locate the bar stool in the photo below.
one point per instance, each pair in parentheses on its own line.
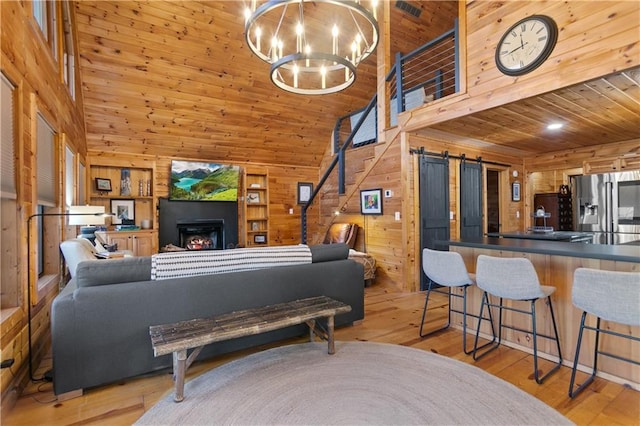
(609,295)
(447,269)
(514,278)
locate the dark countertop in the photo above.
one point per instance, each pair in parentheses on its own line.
(620,253)
(548,236)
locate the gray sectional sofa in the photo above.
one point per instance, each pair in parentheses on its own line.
(100,321)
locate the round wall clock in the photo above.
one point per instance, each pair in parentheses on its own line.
(526,45)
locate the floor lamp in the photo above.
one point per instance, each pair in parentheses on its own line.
(78,215)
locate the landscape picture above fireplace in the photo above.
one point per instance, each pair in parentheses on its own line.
(198,181)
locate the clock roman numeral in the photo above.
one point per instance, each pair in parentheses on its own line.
(542,38)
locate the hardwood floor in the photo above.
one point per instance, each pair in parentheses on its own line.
(391,317)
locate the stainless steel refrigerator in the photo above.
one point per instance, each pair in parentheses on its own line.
(608,205)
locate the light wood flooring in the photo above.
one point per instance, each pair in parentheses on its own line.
(390,317)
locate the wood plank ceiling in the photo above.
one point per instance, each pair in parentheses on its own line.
(174,78)
(604,110)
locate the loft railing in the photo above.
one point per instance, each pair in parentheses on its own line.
(428,73)
(424,75)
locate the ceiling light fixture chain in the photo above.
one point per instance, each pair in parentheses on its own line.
(315,48)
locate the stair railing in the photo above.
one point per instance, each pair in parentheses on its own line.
(431,71)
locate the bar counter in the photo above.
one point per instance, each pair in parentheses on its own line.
(555,263)
(621,253)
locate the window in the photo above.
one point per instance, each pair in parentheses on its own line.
(41,16)
(82,178)
(53,31)
(47,240)
(69,177)
(45,14)
(9,283)
(69,70)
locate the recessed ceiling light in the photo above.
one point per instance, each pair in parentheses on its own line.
(554,126)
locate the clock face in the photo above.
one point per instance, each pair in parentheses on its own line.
(526,45)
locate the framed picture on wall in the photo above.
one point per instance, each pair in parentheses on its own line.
(103,185)
(371,201)
(124,211)
(515,191)
(305,189)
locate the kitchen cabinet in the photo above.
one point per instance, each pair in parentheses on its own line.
(140,243)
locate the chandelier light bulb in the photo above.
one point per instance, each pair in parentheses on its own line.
(299,31)
(258,34)
(323,72)
(274,49)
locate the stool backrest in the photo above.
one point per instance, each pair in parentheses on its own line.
(610,295)
(445,268)
(508,277)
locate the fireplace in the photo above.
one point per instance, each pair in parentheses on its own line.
(201,234)
(215,216)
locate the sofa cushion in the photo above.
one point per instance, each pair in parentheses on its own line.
(113,271)
(194,263)
(329,252)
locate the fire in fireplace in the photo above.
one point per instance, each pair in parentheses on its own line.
(201,234)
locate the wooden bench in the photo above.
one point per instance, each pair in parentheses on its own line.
(179,337)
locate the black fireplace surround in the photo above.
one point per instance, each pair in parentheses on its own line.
(216,220)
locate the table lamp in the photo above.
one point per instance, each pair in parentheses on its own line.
(86,217)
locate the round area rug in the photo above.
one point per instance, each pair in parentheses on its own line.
(362,383)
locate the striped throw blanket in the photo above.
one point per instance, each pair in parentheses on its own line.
(165,266)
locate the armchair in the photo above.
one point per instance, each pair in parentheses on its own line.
(348,233)
(342,233)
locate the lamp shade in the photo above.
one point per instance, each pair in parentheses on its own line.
(86,215)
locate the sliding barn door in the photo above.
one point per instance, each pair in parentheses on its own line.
(470,199)
(434,205)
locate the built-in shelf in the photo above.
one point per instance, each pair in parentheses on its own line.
(256,207)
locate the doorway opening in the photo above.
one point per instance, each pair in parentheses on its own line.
(493,200)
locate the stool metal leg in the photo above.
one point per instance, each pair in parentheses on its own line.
(573,393)
(476,348)
(424,312)
(539,379)
(464,327)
